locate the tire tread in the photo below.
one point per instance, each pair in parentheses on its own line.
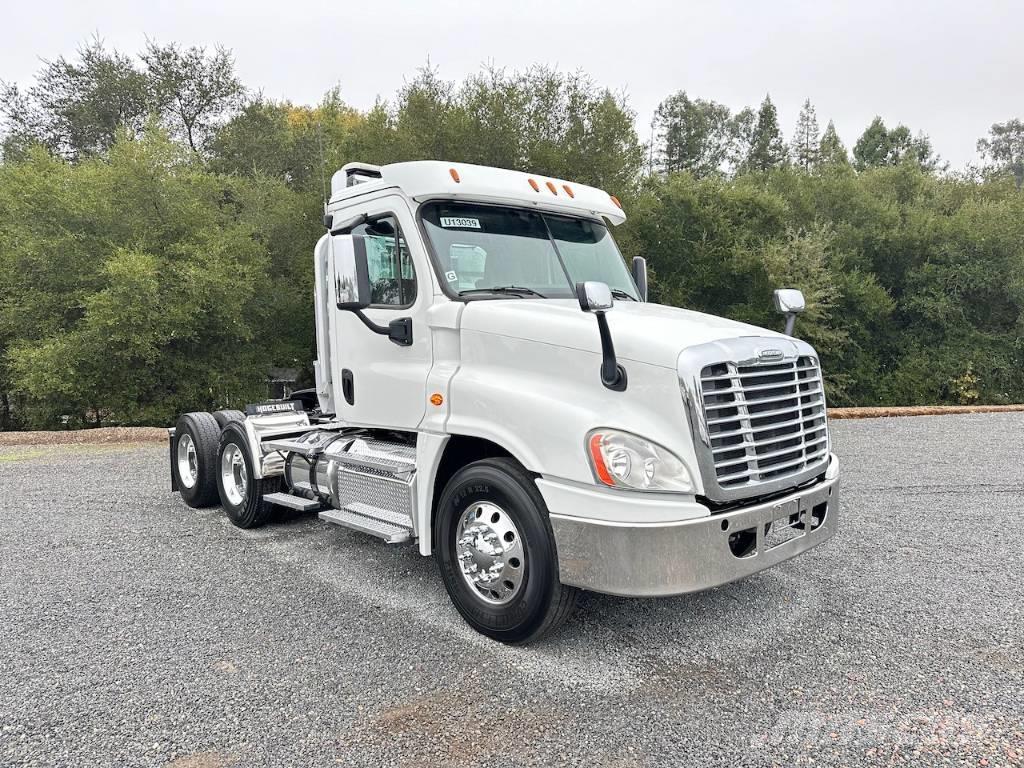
(206,434)
(255,511)
(563,598)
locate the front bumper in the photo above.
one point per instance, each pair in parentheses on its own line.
(675,557)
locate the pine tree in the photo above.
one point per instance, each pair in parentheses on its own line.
(874,147)
(767,146)
(831,150)
(694,135)
(878,146)
(805,148)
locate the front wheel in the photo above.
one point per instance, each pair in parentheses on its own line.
(496,552)
(241,494)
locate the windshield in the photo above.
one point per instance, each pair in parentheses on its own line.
(483,247)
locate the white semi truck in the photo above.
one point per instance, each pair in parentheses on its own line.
(477,395)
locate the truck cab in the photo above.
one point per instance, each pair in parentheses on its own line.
(493,386)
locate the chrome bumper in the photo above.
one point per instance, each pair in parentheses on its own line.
(672,558)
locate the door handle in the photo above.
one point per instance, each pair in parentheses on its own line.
(348,386)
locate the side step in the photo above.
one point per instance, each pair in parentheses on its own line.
(392,527)
(292,502)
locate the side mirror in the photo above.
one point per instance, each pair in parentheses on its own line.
(640,276)
(596,298)
(352,287)
(351,273)
(789,302)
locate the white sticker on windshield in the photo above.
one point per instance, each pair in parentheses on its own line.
(452,277)
(460,222)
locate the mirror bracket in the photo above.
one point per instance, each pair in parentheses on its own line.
(398,331)
(596,298)
(613,375)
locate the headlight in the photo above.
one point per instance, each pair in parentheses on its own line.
(621,460)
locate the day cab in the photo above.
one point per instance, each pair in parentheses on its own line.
(493,385)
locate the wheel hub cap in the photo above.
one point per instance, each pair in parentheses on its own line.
(234,477)
(188,461)
(490,552)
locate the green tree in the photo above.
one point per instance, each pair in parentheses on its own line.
(805,148)
(1004,149)
(831,151)
(878,146)
(133,287)
(693,135)
(192,89)
(541,120)
(299,145)
(75,108)
(767,146)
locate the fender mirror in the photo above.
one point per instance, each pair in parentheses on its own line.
(351,273)
(790,303)
(596,298)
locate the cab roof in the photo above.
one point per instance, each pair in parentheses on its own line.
(432,179)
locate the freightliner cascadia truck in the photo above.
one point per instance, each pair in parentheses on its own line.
(493,387)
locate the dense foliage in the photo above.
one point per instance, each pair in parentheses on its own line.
(157,224)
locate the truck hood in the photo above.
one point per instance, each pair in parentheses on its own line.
(646,333)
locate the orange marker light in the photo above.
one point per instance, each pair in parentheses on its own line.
(615,200)
(455,175)
(535,185)
(436,399)
(553,188)
(568,190)
(598,458)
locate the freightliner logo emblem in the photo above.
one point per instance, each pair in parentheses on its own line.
(768,355)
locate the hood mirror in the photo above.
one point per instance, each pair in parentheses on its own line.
(596,298)
(790,303)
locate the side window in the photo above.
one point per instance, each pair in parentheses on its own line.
(392,277)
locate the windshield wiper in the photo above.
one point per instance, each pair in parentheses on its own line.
(618,293)
(512,290)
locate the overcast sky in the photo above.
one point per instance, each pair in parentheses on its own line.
(950,69)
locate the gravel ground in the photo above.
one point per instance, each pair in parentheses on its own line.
(137,632)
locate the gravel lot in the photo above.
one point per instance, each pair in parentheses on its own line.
(137,632)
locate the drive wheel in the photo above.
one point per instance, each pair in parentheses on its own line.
(225,416)
(194,454)
(496,552)
(241,494)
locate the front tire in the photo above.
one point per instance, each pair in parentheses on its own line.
(241,494)
(496,552)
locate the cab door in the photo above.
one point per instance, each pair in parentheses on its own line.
(377,382)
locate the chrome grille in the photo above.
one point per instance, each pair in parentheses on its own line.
(765,421)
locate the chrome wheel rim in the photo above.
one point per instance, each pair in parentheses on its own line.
(233,475)
(490,552)
(188,461)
